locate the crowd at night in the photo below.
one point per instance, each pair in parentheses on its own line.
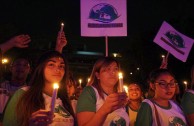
(41,42)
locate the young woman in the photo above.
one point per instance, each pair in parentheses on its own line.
(99,103)
(160,110)
(135,98)
(187,102)
(31,105)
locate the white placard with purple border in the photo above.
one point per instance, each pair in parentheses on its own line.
(173,41)
(103,18)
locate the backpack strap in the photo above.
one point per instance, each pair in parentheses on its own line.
(156,113)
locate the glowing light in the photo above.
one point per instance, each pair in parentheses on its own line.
(115,54)
(185,83)
(88,79)
(120,82)
(5,61)
(62,26)
(80,82)
(126,89)
(55,86)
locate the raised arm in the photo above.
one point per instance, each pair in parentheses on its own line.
(164,63)
(20,41)
(60,42)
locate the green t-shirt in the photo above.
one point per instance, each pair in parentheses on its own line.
(87,100)
(187,102)
(144,116)
(10,116)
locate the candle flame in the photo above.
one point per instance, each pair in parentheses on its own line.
(55,86)
(4,61)
(88,79)
(62,24)
(126,88)
(80,81)
(120,75)
(163,56)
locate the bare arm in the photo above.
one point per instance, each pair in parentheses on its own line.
(164,63)
(20,41)
(60,42)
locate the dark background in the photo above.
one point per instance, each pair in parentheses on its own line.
(41,20)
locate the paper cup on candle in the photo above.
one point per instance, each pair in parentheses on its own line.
(54,96)
(120,82)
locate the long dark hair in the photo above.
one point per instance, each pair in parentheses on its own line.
(33,100)
(101,63)
(157,72)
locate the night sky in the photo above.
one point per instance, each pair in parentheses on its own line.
(41,20)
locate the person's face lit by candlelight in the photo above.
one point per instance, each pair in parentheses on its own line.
(108,75)
(135,92)
(54,70)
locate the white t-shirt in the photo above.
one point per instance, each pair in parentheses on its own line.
(90,100)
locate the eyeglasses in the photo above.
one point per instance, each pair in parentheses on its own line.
(164,84)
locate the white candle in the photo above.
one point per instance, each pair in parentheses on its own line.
(88,80)
(126,89)
(54,96)
(185,82)
(163,58)
(62,26)
(120,82)
(80,82)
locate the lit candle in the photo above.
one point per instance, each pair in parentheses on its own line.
(54,96)
(5,61)
(62,26)
(80,82)
(88,80)
(163,58)
(120,82)
(126,89)
(185,82)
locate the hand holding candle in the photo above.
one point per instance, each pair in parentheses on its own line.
(164,61)
(54,96)
(120,82)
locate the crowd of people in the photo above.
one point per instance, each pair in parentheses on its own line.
(28,102)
